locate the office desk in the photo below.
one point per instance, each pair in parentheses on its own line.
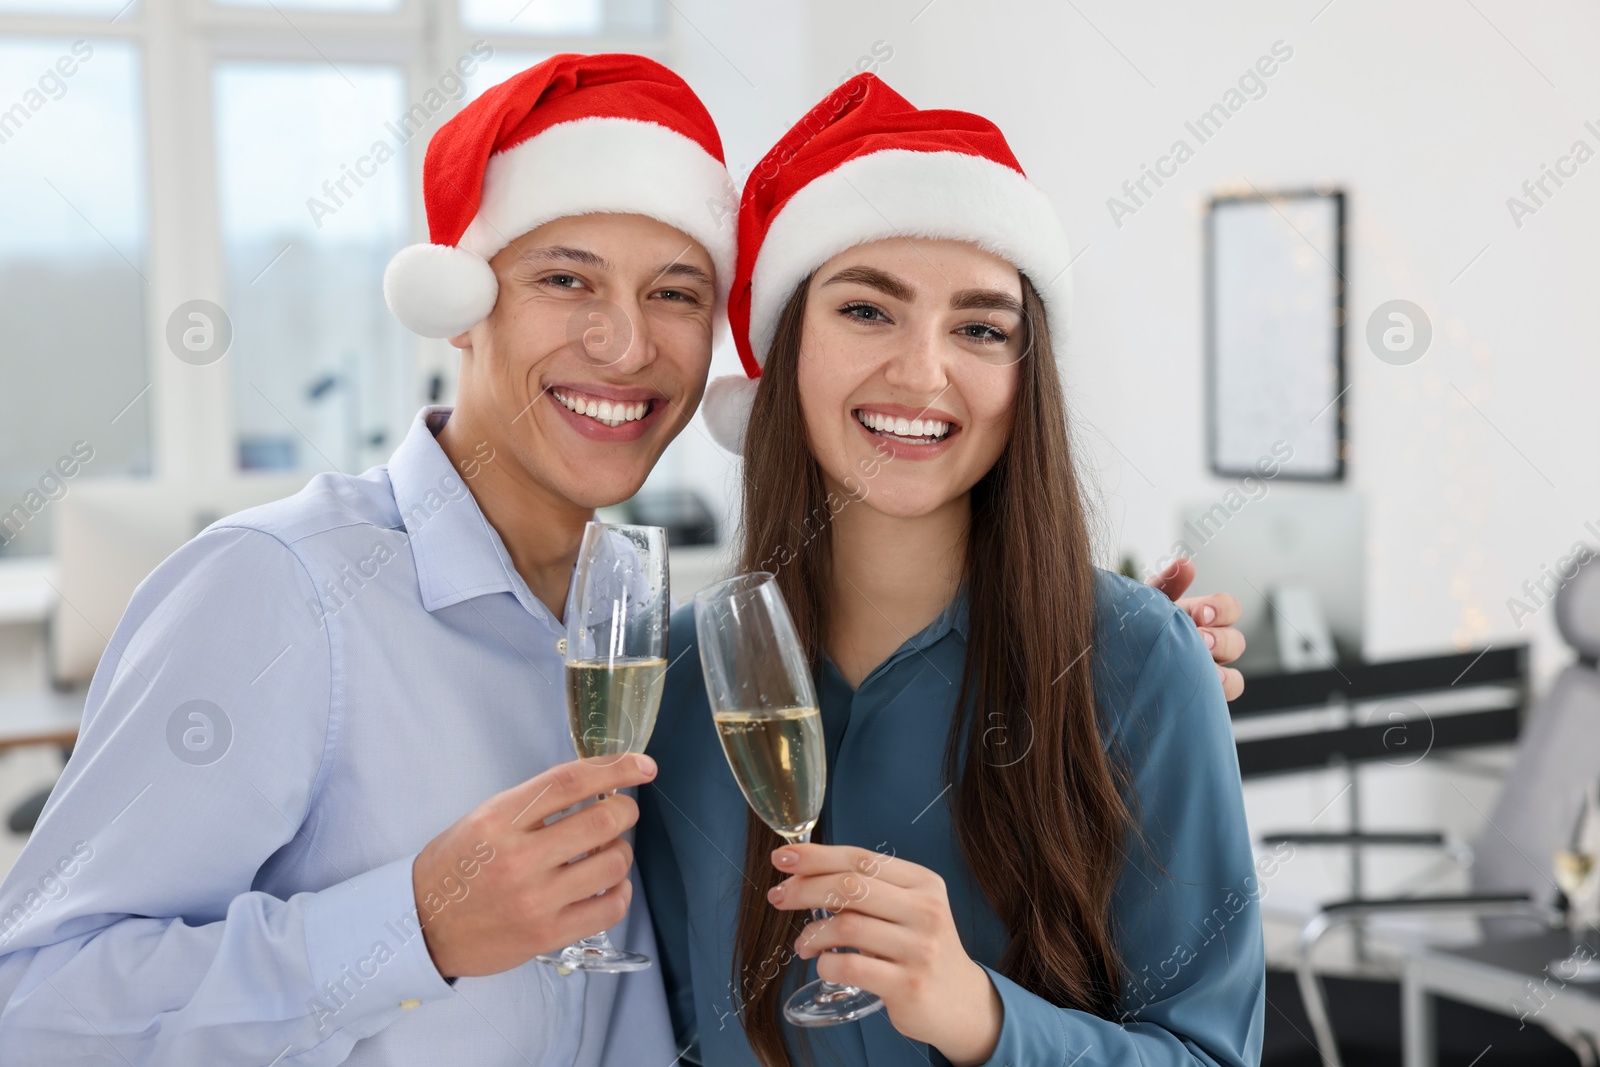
(1512,977)
(44,717)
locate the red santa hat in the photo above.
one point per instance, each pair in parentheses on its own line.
(865,165)
(574,135)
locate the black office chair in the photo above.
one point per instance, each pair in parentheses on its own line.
(25,816)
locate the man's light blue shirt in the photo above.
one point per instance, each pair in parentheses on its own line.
(294,703)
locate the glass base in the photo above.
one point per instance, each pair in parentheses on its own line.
(1572,969)
(825,1004)
(602,959)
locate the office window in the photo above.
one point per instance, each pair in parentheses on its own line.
(555,17)
(313,179)
(562,18)
(500,66)
(73,274)
(263,212)
(316,5)
(106,8)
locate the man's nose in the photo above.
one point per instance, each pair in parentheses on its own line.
(612,335)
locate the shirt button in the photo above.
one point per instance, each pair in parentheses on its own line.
(409,1005)
(561,647)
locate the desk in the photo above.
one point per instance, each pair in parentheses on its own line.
(45,717)
(1500,976)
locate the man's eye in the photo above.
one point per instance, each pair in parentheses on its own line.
(678,295)
(565,281)
(863,313)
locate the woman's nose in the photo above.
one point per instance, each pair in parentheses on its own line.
(919,364)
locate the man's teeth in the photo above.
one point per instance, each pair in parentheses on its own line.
(921,430)
(611,413)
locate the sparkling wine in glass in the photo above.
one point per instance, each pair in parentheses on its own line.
(616,655)
(764,704)
(1577,871)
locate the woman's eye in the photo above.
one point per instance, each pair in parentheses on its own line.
(985,333)
(863,313)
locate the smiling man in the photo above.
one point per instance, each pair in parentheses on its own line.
(299,826)
(592,360)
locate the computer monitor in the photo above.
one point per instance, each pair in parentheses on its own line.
(110,534)
(1294,537)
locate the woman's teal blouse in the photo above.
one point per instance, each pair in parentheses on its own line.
(1185,911)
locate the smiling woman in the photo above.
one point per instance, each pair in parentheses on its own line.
(1032,791)
(969,519)
(880,320)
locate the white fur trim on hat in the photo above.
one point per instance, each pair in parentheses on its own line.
(901,193)
(439,290)
(611,165)
(587,166)
(726,408)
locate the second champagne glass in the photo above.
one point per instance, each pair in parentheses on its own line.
(759,685)
(616,652)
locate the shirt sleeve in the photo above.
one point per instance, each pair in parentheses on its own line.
(131,928)
(1186,910)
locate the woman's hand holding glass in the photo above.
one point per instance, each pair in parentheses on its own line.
(896,916)
(765,706)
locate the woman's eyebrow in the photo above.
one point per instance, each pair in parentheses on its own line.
(985,300)
(882,281)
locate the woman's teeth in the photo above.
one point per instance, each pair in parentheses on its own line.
(609,412)
(912,431)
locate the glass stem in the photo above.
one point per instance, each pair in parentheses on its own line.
(822,915)
(602,940)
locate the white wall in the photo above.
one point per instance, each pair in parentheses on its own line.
(750,63)
(1478,463)
(1429,118)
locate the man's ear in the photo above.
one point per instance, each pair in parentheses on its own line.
(462,340)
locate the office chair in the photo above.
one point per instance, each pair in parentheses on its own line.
(1557,756)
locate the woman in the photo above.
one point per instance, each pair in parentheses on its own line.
(1035,834)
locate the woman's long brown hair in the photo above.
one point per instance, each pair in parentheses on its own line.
(1038,804)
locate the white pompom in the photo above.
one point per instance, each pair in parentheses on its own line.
(439,290)
(727,410)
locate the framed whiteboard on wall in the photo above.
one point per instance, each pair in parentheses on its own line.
(1275,376)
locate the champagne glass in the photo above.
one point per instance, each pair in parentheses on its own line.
(765,707)
(1577,871)
(616,651)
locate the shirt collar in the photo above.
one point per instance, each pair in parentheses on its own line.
(458,554)
(953,617)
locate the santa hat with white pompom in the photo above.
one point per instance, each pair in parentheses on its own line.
(574,135)
(862,166)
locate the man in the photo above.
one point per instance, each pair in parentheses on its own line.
(272,843)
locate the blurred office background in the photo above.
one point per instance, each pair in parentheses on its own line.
(255,163)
